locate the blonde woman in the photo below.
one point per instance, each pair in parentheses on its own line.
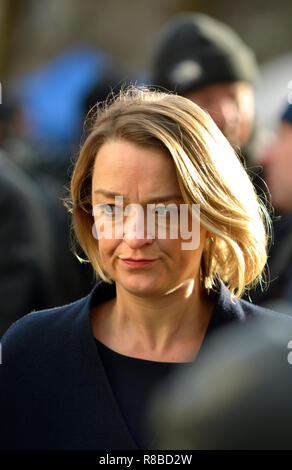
(153,166)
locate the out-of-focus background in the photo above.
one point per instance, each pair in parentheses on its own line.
(33,33)
(57,58)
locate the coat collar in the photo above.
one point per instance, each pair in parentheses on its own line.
(225,310)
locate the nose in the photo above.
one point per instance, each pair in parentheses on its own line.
(230,113)
(226,114)
(135,231)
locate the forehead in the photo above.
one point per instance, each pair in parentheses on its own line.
(122,165)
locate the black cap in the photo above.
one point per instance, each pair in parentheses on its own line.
(195,50)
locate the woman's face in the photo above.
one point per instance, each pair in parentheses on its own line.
(141,265)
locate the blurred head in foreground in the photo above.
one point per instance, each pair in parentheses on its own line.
(236,396)
(206,61)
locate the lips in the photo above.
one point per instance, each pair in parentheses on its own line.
(137,263)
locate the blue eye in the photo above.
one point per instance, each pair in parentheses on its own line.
(110,209)
(162,210)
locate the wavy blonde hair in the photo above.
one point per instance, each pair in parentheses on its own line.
(209,173)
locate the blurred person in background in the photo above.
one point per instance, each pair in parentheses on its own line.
(26,248)
(204,60)
(276,159)
(37,260)
(15,140)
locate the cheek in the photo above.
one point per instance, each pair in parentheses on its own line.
(182,258)
(188,263)
(287,157)
(106,249)
(217,116)
(191,258)
(281,160)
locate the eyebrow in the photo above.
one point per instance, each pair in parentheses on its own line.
(168,197)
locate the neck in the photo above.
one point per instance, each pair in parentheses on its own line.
(158,326)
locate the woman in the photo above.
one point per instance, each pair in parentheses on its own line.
(79,376)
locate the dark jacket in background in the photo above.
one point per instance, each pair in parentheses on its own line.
(26,249)
(37,267)
(278,295)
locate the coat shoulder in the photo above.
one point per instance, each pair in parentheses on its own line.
(252,310)
(39,328)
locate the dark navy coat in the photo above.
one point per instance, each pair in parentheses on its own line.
(54,392)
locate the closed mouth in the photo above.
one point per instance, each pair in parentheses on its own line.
(138,259)
(138,263)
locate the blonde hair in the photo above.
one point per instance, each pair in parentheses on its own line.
(209,174)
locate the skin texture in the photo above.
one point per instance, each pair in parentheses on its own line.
(277,162)
(161,311)
(231,106)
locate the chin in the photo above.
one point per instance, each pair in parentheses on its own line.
(142,287)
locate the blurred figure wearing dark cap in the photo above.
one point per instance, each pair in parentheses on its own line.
(276,159)
(235,396)
(206,61)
